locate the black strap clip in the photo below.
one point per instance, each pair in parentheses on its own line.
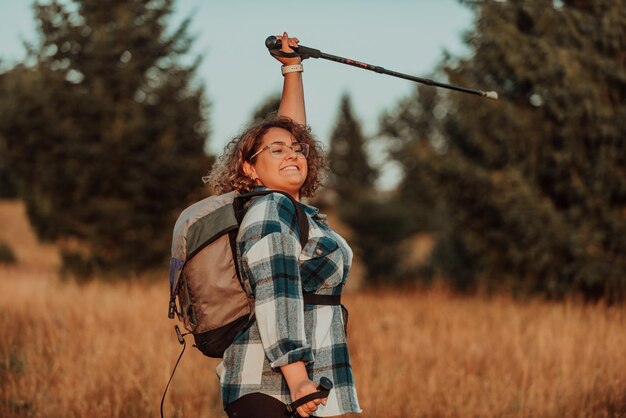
(179,335)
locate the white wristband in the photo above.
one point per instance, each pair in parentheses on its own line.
(291,68)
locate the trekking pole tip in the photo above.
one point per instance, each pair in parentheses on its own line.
(491,95)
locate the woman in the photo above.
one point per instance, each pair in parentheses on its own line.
(290,345)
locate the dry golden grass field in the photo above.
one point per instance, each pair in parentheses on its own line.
(107,349)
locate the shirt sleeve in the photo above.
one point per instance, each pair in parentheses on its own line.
(270,249)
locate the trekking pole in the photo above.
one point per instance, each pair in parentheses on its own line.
(274,45)
(322,392)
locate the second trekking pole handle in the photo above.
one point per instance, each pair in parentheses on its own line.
(322,392)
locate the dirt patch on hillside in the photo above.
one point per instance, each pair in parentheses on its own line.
(17,232)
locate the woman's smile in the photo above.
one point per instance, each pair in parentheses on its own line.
(290,167)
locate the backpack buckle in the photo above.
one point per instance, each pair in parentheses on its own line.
(171,310)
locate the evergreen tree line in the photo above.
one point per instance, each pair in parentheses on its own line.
(104,135)
(527,194)
(102,130)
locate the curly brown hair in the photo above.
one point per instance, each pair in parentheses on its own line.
(227,173)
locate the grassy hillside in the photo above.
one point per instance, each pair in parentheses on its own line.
(107,349)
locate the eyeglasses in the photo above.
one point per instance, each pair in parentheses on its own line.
(280,150)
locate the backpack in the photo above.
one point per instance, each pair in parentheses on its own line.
(204,274)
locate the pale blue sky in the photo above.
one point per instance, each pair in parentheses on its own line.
(400,35)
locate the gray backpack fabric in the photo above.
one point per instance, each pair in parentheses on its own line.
(204,276)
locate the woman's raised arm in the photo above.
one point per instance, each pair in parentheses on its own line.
(292,100)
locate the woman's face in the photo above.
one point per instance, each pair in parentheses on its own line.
(286,172)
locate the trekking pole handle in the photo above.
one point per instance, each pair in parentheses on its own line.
(274,43)
(323,389)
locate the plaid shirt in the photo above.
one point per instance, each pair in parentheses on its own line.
(275,269)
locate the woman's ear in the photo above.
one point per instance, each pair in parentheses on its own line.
(249,170)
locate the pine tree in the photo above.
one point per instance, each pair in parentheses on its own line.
(105,130)
(378,227)
(530,190)
(352,173)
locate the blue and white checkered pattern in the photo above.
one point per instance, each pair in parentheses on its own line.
(275,269)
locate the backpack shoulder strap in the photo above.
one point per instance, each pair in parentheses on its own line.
(303,224)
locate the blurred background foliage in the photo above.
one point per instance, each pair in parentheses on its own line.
(103,131)
(527,194)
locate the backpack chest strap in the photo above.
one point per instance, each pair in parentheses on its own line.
(313,299)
